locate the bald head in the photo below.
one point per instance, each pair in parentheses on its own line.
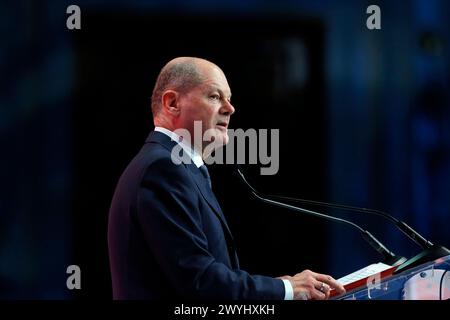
(180,74)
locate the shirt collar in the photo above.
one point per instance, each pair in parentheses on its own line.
(193,154)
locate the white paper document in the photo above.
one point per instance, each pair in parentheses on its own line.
(364,273)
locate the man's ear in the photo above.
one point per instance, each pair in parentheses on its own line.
(170,102)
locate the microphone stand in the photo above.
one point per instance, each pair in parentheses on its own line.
(430,251)
(389,257)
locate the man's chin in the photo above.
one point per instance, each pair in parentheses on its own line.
(222,139)
(218,140)
(226,140)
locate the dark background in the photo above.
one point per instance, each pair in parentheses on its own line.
(363,118)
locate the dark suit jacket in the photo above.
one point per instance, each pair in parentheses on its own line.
(168,237)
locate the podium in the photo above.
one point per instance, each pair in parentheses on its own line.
(429,281)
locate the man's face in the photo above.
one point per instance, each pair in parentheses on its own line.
(209,103)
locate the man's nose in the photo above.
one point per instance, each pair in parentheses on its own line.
(227,108)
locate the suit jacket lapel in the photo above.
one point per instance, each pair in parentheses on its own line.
(208,195)
(206,192)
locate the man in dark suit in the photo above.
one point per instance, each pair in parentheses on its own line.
(168,237)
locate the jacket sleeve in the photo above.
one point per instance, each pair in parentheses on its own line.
(169,216)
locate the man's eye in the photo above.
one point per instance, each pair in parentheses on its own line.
(215,97)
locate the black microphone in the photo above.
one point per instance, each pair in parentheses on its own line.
(430,251)
(389,257)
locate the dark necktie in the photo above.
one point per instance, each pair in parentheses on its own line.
(205,174)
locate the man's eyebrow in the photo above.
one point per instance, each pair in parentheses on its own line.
(223,93)
(214,87)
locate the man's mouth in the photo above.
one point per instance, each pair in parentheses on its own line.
(222,124)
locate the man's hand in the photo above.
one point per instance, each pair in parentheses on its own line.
(309,285)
